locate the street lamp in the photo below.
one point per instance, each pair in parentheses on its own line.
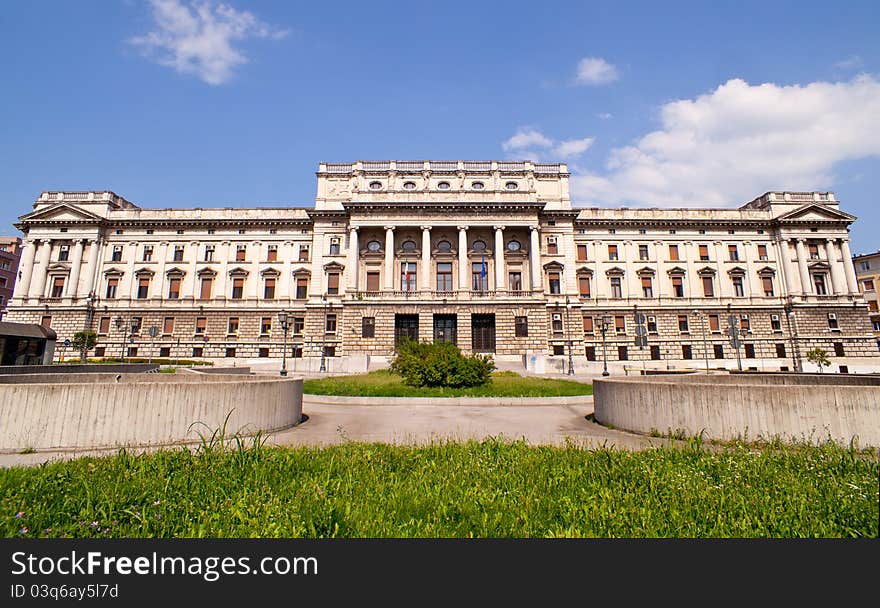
(568,334)
(603,327)
(792,330)
(324,334)
(282,318)
(124,327)
(702,316)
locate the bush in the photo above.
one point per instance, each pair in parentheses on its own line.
(440,364)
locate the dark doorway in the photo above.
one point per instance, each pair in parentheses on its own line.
(406,326)
(483,333)
(445,328)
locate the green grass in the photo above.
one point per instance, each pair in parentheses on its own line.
(487,489)
(383,383)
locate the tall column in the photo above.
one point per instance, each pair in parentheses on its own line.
(70,289)
(535,258)
(786,266)
(193,269)
(26,266)
(38,284)
(462,259)
(836,280)
(353,255)
(806,288)
(426,258)
(848,270)
(389,258)
(92,267)
(221,280)
(499,258)
(159,280)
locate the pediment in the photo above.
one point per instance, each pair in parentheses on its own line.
(113,271)
(676,270)
(62,213)
(207,272)
(706,270)
(645,271)
(301,270)
(616,271)
(819,266)
(334,266)
(553,265)
(737,270)
(766,270)
(816,213)
(175,272)
(269,272)
(58,267)
(238,271)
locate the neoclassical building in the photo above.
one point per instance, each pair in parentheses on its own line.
(488,254)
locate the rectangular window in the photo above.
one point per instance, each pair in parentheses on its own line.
(272,253)
(616,289)
(57,287)
(652,324)
(136,323)
(230,352)
(869,285)
(838,349)
(678,287)
(303,253)
(329,351)
(719,350)
(104,326)
(738,289)
(237,289)
(209,253)
(198,351)
(686,351)
(673,253)
(521,327)
(173,289)
(269,289)
(643,252)
(148,253)
(368,327)
(588,325)
(622,353)
(553,278)
(232,325)
(132,351)
(780,350)
(704,253)
(46,322)
(872,305)
(444,277)
(647,287)
(112,284)
(408,276)
(745,324)
(206,285)
(302,288)
(63,253)
(265,326)
(330,325)
(479,277)
(832,321)
(775,323)
(768,286)
(590,352)
(298,325)
(620,325)
(612,252)
(584,286)
(655,352)
(556,323)
(819,283)
(333,283)
(683,325)
(373,281)
(178,253)
(733,253)
(143,288)
(296,351)
(117,253)
(708,287)
(551,245)
(582,253)
(168,326)
(514,281)
(241,253)
(165,351)
(334,246)
(263,352)
(750,350)
(762,252)
(201,325)
(814,252)
(714,324)
(558,349)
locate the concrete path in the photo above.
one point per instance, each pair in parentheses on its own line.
(330,424)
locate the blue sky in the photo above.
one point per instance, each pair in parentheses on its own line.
(175,104)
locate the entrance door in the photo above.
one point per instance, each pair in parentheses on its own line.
(406,326)
(445,328)
(483,333)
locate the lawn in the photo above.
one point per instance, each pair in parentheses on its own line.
(383,383)
(486,489)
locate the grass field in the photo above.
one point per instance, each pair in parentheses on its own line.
(383,383)
(488,489)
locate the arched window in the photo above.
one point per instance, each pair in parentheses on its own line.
(479,245)
(444,245)
(408,246)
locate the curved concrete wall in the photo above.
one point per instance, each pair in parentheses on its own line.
(77,411)
(730,407)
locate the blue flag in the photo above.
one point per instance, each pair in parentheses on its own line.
(483,272)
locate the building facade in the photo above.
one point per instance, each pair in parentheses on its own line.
(868,275)
(488,254)
(10,251)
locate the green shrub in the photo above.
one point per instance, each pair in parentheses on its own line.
(440,364)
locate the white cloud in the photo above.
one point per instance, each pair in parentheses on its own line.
(853,62)
(572,147)
(595,70)
(740,140)
(198,38)
(526,138)
(526,142)
(604,115)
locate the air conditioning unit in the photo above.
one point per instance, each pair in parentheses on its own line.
(557,317)
(774,317)
(832,316)
(551,240)
(652,319)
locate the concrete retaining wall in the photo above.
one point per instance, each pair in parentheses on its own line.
(74,368)
(748,406)
(82,411)
(471,401)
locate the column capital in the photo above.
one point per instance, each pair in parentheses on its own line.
(354,228)
(534,227)
(426,227)
(44,241)
(498,227)
(462,228)
(391,228)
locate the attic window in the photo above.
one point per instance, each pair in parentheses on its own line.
(409,185)
(375,185)
(180,232)
(443,186)
(119,232)
(62,229)
(150,231)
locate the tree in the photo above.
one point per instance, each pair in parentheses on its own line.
(84,341)
(819,356)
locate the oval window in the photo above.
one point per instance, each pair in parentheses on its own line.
(408,246)
(444,246)
(513,245)
(511,186)
(374,246)
(375,185)
(409,185)
(443,186)
(478,185)
(479,246)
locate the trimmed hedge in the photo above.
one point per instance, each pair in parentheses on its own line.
(440,364)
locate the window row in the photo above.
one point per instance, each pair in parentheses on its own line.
(206,288)
(133,325)
(733,252)
(208,253)
(677,283)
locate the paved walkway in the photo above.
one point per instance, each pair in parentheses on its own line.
(330,424)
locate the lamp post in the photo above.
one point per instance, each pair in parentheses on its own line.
(282,318)
(702,316)
(792,330)
(568,335)
(124,327)
(603,327)
(324,334)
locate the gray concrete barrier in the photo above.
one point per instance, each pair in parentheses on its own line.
(80,368)
(750,406)
(85,411)
(447,401)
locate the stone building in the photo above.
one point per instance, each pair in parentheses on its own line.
(489,254)
(10,250)
(868,275)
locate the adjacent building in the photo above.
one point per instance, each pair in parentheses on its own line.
(10,251)
(868,275)
(488,254)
